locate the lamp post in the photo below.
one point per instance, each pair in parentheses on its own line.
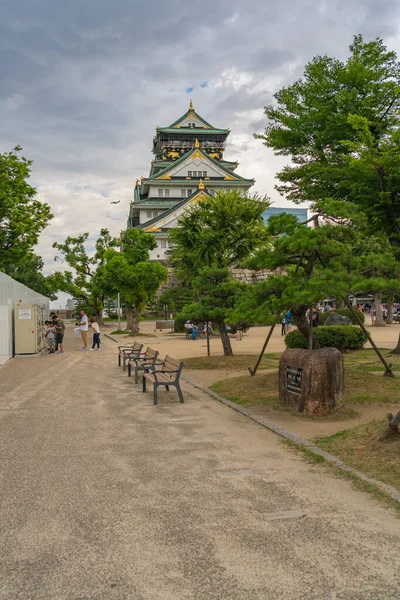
(119,311)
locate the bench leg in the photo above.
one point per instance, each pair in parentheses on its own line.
(155,393)
(178,389)
(167,388)
(144,383)
(129,369)
(124,363)
(119,360)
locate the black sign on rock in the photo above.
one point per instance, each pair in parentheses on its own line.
(293,380)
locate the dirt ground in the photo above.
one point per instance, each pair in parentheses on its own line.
(252,343)
(104,496)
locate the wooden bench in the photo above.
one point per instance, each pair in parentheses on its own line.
(145,361)
(126,352)
(166,373)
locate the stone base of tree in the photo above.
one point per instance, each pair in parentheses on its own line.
(311,381)
(393,426)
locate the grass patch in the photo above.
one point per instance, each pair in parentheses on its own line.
(360,388)
(367,360)
(362,449)
(357,482)
(231,363)
(250,391)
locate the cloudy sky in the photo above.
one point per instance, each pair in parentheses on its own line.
(84,83)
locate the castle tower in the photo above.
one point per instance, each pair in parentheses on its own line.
(188,166)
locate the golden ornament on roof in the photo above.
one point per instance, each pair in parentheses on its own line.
(197,144)
(137,181)
(201,185)
(191,106)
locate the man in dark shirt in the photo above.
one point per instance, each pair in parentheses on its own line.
(60,327)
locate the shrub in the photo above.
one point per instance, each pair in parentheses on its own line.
(179,323)
(345,312)
(343,337)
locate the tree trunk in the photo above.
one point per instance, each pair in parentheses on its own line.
(339,303)
(129,317)
(393,426)
(226,342)
(135,320)
(99,316)
(390,309)
(379,322)
(303,325)
(397,349)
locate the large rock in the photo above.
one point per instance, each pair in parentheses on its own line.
(335,319)
(311,381)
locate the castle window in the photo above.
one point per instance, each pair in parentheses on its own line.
(166,193)
(204,173)
(183,193)
(155,213)
(189,173)
(148,214)
(163,243)
(160,193)
(189,192)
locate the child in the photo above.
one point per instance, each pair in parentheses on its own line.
(96,334)
(51,336)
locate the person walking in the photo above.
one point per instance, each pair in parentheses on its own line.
(84,325)
(288,321)
(60,329)
(96,334)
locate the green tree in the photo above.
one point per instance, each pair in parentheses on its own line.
(334,257)
(176,298)
(84,283)
(130,273)
(218,293)
(22,218)
(339,125)
(29,272)
(221,231)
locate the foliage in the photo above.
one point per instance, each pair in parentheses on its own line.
(220,231)
(343,337)
(84,283)
(29,272)
(345,312)
(334,257)
(22,218)
(175,298)
(180,320)
(340,127)
(218,293)
(130,273)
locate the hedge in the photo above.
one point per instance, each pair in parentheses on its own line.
(343,337)
(179,323)
(345,312)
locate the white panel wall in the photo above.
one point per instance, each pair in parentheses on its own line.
(10,292)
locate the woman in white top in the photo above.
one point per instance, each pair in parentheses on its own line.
(96,334)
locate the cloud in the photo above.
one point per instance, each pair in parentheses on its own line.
(83,87)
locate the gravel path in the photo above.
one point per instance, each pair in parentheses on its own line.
(103,497)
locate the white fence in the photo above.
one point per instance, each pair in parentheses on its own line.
(10,292)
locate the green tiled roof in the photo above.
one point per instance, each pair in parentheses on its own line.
(195,114)
(156,203)
(151,222)
(186,155)
(194,130)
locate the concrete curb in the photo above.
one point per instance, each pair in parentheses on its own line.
(296,439)
(107,335)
